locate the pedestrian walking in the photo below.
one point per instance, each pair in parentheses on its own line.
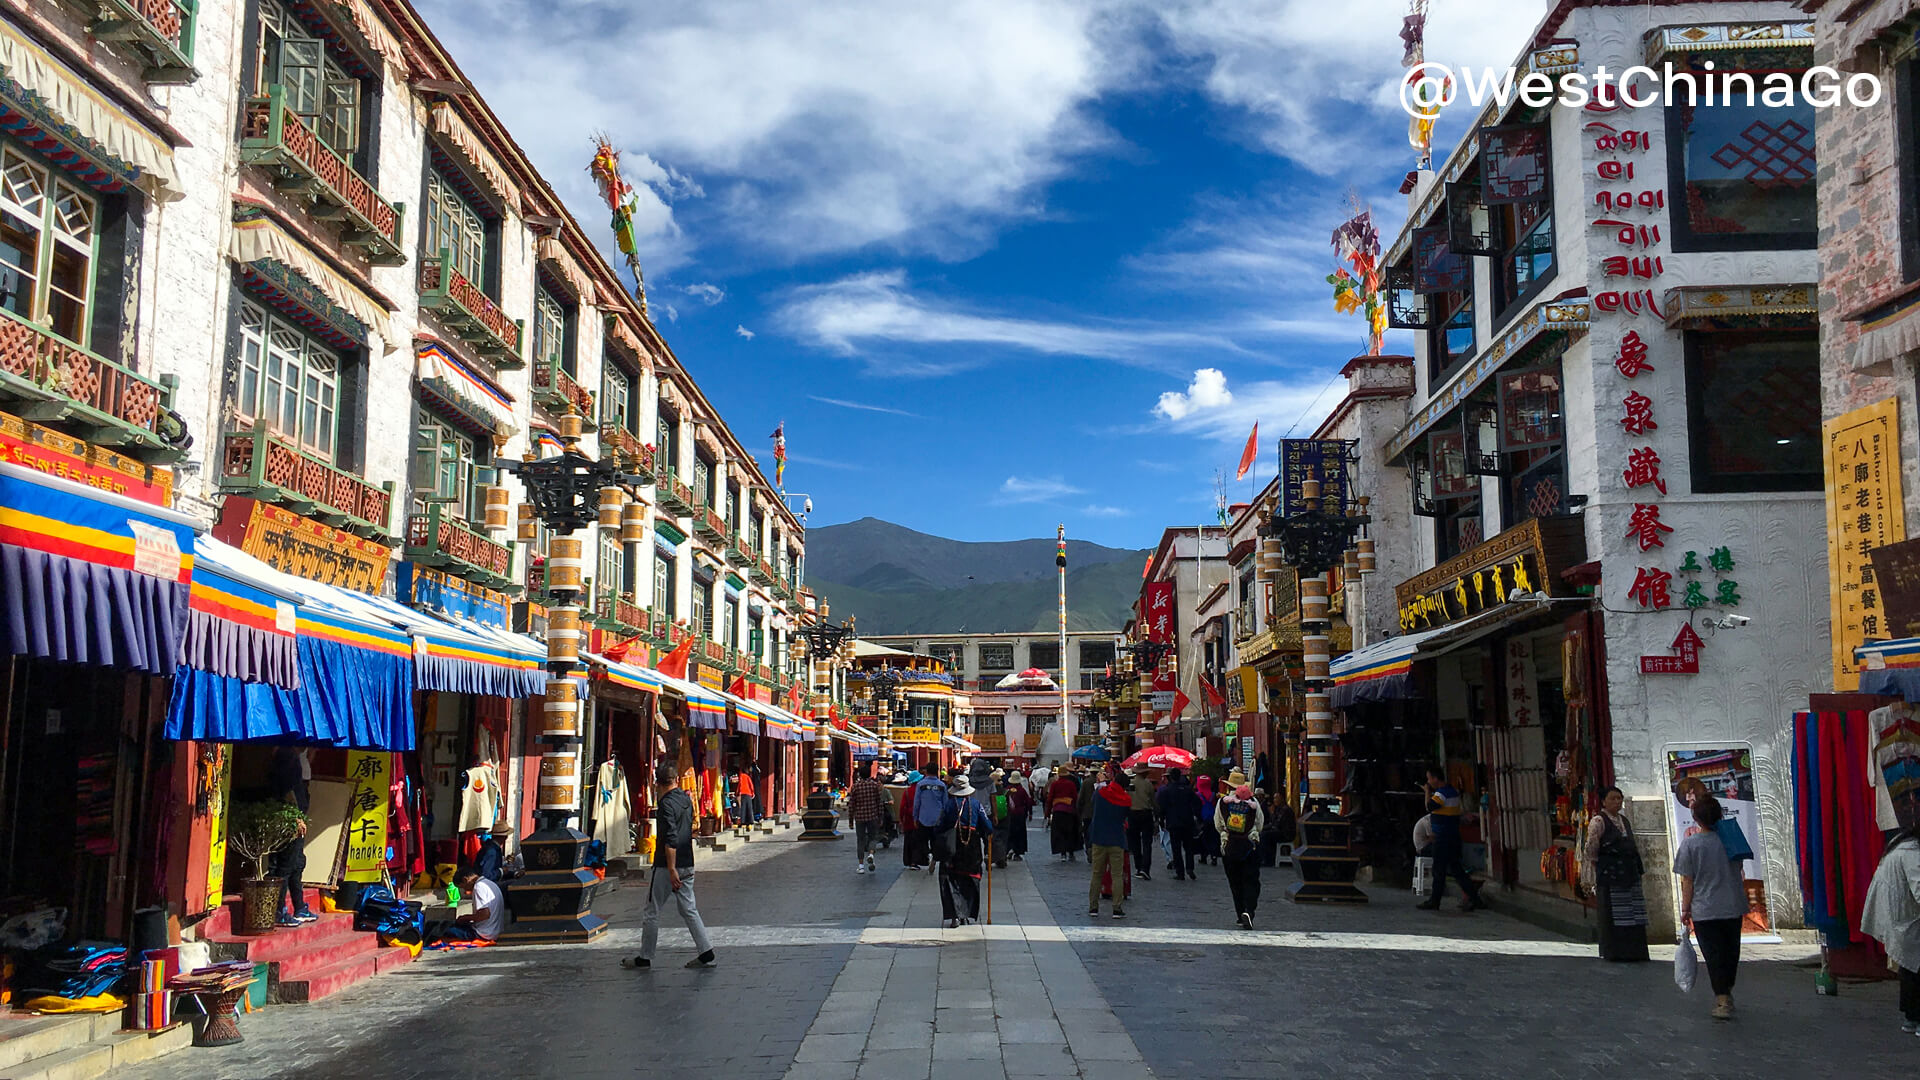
(1713,901)
(1610,864)
(1180,813)
(1444,804)
(1892,917)
(1021,808)
(864,810)
(1107,832)
(913,847)
(929,808)
(968,826)
(672,876)
(1208,844)
(1083,807)
(1141,826)
(1063,814)
(1238,818)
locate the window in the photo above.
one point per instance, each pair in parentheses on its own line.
(702,478)
(663,599)
(1044,655)
(756,528)
(925,713)
(1090,678)
(1526,254)
(1450,342)
(990,723)
(702,609)
(996,656)
(313,83)
(551,319)
(1534,483)
(1753,424)
(733,504)
(1456,494)
(1907,105)
(666,456)
(730,622)
(1743,173)
(1096,654)
(1089,722)
(953,656)
(619,396)
(47,230)
(456,227)
(444,459)
(289,380)
(608,575)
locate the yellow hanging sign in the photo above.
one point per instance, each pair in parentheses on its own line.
(367,814)
(1864,511)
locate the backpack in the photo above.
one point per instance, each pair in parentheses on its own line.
(929,804)
(1239,818)
(1002,807)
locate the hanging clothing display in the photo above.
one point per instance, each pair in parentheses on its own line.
(1893,765)
(1838,837)
(612,809)
(479,799)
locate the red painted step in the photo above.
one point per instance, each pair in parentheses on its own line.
(306,962)
(224,917)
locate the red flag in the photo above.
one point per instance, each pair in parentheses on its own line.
(739,687)
(1214,697)
(1246,456)
(617,652)
(674,664)
(1180,702)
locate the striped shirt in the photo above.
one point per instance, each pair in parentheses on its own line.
(1444,805)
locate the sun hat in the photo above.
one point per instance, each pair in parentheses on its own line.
(1236,778)
(960,786)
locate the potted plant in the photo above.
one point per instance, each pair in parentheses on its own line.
(255,831)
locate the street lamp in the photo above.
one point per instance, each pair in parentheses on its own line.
(552,901)
(1314,540)
(825,643)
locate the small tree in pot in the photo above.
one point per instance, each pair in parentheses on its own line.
(256,830)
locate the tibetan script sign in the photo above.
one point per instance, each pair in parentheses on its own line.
(920,736)
(44,450)
(303,547)
(1324,460)
(1896,569)
(1864,512)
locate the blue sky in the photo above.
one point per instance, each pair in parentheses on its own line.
(999,264)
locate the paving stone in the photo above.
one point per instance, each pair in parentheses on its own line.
(823,1047)
(950,1045)
(901,1035)
(895,1065)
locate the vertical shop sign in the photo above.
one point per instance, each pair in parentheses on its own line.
(1159,616)
(1523,687)
(1324,460)
(1864,511)
(367,814)
(220,786)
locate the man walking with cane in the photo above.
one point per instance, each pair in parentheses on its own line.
(672,872)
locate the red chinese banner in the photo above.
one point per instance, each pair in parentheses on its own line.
(1157,611)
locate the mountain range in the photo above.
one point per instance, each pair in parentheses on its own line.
(899,581)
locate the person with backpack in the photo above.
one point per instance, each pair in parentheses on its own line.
(929,808)
(1239,819)
(1180,813)
(967,826)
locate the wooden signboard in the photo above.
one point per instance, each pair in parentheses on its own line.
(1896,569)
(1528,558)
(1864,512)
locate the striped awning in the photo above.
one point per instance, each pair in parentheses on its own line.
(241,627)
(1383,671)
(38,91)
(1890,667)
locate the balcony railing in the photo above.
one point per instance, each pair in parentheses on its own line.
(273,135)
(161,31)
(73,388)
(557,390)
(623,617)
(714,653)
(761,573)
(634,454)
(469,312)
(266,467)
(437,538)
(674,494)
(738,553)
(708,524)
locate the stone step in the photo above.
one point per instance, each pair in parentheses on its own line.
(316,983)
(221,922)
(95,1058)
(25,1037)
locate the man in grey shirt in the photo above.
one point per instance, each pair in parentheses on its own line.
(672,871)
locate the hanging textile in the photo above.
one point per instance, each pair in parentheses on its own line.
(1838,838)
(612,809)
(479,799)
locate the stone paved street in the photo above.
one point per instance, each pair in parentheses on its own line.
(825,975)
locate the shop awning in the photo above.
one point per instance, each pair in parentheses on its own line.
(45,102)
(746,714)
(631,676)
(855,735)
(90,577)
(1383,671)
(959,744)
(706,708)
(792,726)
(1890,667)
(241,627)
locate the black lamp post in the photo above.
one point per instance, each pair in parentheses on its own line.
(1314,540)
(824,641)
(552,901)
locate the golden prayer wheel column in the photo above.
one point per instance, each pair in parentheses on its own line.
(824,643)
(551,901)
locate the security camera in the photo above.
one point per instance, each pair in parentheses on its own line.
(1737,620)
(807,507)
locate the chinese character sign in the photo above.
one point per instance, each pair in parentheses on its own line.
(1864,511)
(1157,614)
(367,814)
(1324,460)
(1523,687)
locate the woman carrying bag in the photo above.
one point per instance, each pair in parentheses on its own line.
(1611,867)
(1713,902)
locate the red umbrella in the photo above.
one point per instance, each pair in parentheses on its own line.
(1160,757)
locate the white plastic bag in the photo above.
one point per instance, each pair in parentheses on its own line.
(1686,965)
(1423,876)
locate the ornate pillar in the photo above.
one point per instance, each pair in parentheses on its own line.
(819,820)
(552,900)
(1326,860)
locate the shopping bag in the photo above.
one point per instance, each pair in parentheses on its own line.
(1686,965)
(1423,876)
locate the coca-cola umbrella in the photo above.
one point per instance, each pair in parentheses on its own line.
(1159,757)
(1031,679)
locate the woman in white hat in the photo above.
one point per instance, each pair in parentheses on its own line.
(968,825)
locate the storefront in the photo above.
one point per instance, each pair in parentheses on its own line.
(94,607)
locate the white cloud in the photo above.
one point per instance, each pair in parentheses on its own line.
(1096,510)
(879,308)
(673,313)
(706,292)
(1035,489)
(744,332)
(1208,390)
(862,406)
(820,127)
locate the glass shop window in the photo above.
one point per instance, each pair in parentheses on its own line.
(1742,175)
(1753,402)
